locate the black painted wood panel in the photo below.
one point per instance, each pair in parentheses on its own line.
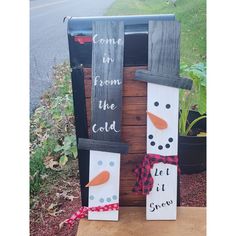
(107,80)
(81,128)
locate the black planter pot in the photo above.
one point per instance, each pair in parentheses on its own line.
(192,149)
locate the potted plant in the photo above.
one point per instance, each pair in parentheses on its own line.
(192,121)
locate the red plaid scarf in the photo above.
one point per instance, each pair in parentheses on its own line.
(83,212)
(144,180)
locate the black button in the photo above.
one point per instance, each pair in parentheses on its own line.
(150,136)
(167,106)
(153,143)
(156,104)
(170,140)
(160,147)
(167,145)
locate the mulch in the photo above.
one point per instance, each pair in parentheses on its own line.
(193,190)
(51,208)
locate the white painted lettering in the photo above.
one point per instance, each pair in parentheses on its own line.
(100,82)
(107,59)
(107,41)
(103,105)
(105,128)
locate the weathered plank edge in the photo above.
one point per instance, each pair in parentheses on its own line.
(100,145)
(79,100)
(163,79)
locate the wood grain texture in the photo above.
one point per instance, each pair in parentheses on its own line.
(133,130)
(106,72)
(191,221)
(133,111)
(100,145)
(163,45)
(164,79)
(131,88)
(135,137)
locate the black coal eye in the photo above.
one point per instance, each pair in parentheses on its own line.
(170,140)
(160,147)
(153,143)
(156,104)
(167,106)
(167,145)
(150,136)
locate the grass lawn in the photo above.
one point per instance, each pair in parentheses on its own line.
(190,13)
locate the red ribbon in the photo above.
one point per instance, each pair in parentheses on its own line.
(83,212)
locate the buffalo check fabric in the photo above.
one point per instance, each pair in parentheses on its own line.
(83,212)
(144,180)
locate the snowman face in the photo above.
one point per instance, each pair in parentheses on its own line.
(162,120)
(106,192)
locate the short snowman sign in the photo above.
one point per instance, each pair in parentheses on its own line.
(156,175)
(106,106)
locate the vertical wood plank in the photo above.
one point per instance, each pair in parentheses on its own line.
(81,126)
(163,47)
(106,105)
(163,103)
(107,78)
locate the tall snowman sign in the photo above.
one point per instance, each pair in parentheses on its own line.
(106,106)
(157,174)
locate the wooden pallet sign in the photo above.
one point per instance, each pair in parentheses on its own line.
(106,106)
(162,119)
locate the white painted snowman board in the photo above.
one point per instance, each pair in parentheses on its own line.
(162,103)
(108,192)
(162,115)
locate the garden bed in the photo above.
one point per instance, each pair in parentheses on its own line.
(52,207)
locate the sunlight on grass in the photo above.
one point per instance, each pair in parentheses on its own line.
(191,14)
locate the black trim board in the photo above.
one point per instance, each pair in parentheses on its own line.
(164,79)
(100,145)
(81,128)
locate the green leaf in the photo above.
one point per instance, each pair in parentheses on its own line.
(68,140)
(74,151)
(194,98)
(202,101)
(67,152)
(63,160)
(193,123)
(58,148)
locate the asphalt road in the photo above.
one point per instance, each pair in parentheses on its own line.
(48,38)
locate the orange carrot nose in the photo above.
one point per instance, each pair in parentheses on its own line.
(101,178)
(158,122)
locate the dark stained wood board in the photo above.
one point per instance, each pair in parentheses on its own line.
(133,130)
(132,114)
(131,88)
(101,145)
(103,71)
(134,137)
(164,79)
